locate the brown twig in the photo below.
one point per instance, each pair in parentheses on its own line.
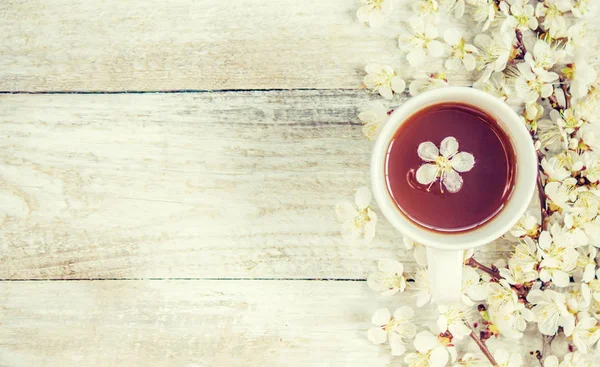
(493,272)
(520,45)
(547,343)
(554,103)
(484,349)
(543,201)
(565,89)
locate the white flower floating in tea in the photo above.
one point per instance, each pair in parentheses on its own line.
(447,162)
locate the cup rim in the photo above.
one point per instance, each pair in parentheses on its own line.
(525,180)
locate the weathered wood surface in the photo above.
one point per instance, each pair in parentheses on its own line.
(206,185)
(115,45)
(195,324)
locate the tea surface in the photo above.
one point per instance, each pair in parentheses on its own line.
(429,198)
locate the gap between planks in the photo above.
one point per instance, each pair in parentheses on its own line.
(187,279)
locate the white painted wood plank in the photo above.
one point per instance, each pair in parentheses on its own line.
(184,185)
(115,45)
(196,323)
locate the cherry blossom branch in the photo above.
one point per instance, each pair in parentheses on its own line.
(493,272)
(484,349)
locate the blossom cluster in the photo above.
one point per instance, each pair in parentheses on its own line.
(535,55)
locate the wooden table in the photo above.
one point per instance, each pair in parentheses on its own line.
(168,176)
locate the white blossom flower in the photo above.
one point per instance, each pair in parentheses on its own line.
(373,119)
(471,360)
(419,250)
(495,52)
(426,7)
(570,234)
(589,136)
(473,288)
(550,312)
(461,53)
(507,313)
(580,40)
(542,57)
(528,225)
(506,359)
(575,359)
(572,160)
(430,351)
(525,255)
(494,84)
(561,193)
(423,83)
(389,280)
(586,333)
(579,300)
(358,219)
(522,17)
(397,329)
(553,13)
(383,79)
(581,7)
(592,230)
(421,288)
(447,163)
(419,40)
(591,162)
(374,12)
(555,169)
(457,7)
(584,75)
(586,264)
(569,119)
(558,257)
(516,274)
(453,318)
(530,85)
(484,12)
(552,136)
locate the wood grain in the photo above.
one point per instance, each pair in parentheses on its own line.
(114,45)
(203,185)
(197,324)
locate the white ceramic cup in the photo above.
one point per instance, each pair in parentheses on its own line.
(445,251)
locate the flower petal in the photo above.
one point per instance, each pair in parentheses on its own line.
(427,151)
(390,266)
(397,345)
(435,48)
(377,335)
(398,84)
(560,278)
(362,197)
(463,162)
(449,146)
(404,312)
(439,357)
(416,57)
(425,341)
(452,180)
(381,317)
(452,37)
(427,174)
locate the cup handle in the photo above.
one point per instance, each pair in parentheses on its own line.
(445,274)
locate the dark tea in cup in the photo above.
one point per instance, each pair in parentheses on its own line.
(450,167)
